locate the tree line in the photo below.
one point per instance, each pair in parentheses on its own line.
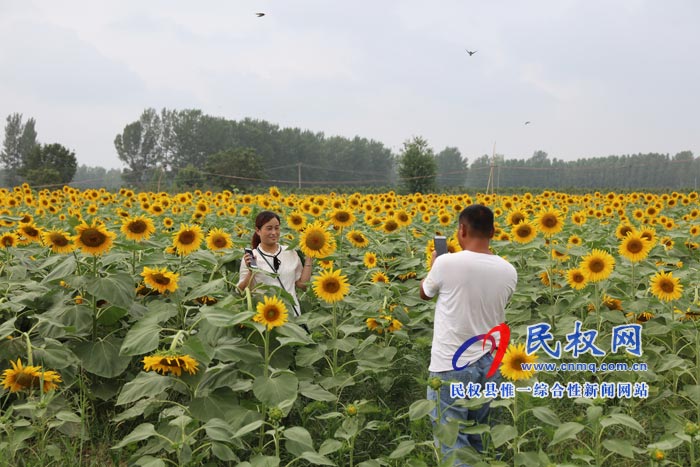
(24,159)
(187,149)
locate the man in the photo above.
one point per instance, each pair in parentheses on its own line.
(473,287)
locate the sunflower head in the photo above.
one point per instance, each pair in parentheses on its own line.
(357,238)
(331,286)
(523,232)
(316,242)
(188,239)
(59,241)
(271,312)
(550,222)
(513,360)
(138,228)
(342,218)
(21,377)
(170,362)
(379,276)
(634,247)
(218,239)
(93,239)
(576,278)
(597,265)
(160,279)
(665,287)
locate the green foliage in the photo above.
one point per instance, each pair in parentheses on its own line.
(227,169)
(49,164)
(417,166)
(451,168)
(20,140)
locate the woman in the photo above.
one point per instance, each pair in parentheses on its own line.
(271,257)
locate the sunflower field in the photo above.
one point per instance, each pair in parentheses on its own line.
(124,340)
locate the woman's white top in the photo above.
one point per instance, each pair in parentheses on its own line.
(289,271)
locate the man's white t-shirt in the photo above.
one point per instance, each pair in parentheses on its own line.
(473,289)
(289,272)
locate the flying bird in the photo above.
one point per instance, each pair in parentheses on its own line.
(527,123)
(470,52)
(259,15)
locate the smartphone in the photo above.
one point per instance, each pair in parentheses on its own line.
(440,244)
(253,262)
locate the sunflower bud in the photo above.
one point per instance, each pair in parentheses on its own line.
(435,383)
(658,454)
(692,429)
(274,415)
(351,410)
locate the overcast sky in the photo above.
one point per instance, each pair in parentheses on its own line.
(594,77)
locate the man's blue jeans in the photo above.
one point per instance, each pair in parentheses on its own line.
(474,373)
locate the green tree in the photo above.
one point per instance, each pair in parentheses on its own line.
(49,164)
(451,168)
(20,140)
(417,166)
(234,167)
(139,147)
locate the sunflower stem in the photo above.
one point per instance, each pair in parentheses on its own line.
(94,265)
(176,340)
(335,340)
(30,356)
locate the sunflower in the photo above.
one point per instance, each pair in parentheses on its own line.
(597,265)
(394,325)
(58,240)
(275,192)
(576,278)
(390,225)
(559,255)
(513,360)
(21,377)
(634,247)
(515,217)
(296,221)
(623,229)
(612,303)
(544,278)
(187,239)
(138,228)
(650,234)
(331,286)
(160,279)
(666,287)
(271,312)
(574,240)
(444,219)
(315,242)
(524,232)
(342,218)
(403,218)
(373,324)
(218,239)
(94,238)
(550,222)
(379,276)
(28,233)
(357,238)
(640,318)
(370,260)
(167,362)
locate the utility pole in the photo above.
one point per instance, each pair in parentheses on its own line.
(492,179)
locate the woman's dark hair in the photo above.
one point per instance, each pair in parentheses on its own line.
(263,218)
(479,218)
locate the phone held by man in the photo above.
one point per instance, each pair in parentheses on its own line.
(440,244)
